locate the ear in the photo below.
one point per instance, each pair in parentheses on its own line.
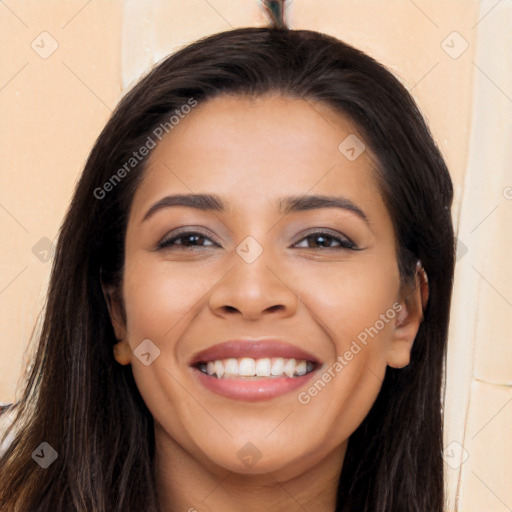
(122,349)
(413,301)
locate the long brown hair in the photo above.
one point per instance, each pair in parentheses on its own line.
(87,407)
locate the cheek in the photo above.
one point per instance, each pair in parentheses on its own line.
(353,301)
(357,310)
(158,297)
(160,300)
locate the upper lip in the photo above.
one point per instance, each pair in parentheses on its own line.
(256,349)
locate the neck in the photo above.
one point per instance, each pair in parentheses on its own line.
(186,485)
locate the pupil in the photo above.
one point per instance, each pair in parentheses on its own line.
(191,239)
(321,240)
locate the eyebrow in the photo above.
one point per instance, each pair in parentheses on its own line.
(213,202)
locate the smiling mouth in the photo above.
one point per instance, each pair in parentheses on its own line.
(248,368)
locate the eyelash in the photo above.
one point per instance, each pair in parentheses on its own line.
(344,243)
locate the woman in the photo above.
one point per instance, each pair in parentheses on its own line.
(239,314)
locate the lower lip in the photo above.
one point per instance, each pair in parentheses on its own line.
(251,390)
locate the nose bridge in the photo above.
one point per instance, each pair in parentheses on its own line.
(253,287)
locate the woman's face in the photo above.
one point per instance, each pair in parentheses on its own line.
(259,249)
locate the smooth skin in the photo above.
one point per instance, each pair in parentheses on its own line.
(304,288)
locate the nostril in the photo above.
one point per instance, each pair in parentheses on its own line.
(277,307)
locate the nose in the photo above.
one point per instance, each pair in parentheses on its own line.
(253,290)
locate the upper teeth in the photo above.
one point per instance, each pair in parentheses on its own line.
(249,367)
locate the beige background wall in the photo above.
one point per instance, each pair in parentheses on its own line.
(64,65)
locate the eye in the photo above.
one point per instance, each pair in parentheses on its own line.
(193,240)
(326,240)
(186,240)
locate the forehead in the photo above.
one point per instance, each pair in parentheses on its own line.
(254,150)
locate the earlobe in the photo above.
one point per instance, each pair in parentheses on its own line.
(122,350)
(408,320)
